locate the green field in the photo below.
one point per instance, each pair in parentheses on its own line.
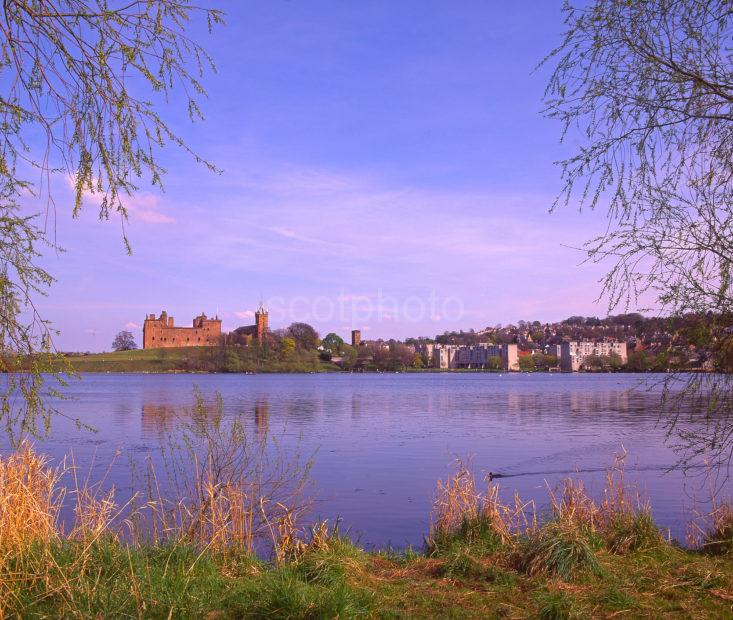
(197,359)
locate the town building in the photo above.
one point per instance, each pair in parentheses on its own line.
(476,356)
(574,354)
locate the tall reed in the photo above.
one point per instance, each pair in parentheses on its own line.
(30,498)
(621,519)
(221,495)
(462,510)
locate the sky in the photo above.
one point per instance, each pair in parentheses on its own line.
(385,166)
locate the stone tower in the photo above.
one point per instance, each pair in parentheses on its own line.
(355,337)
(261,322)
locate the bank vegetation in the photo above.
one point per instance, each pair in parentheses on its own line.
(226,547)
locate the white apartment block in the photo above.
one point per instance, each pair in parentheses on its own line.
(451,356)
(573,354)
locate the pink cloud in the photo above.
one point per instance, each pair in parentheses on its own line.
(142,206)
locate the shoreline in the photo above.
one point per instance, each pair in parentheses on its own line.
(207,361)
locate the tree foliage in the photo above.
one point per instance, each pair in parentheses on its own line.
(304,335)
(332,343)
(287,348)
(526,363)
(648,89)
(83,83)
(650,84)
(124,341)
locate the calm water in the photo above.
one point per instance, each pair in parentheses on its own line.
(382,440)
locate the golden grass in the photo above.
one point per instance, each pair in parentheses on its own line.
(30,499)
(459,501)
(219,517)
(571,505)
(621,517)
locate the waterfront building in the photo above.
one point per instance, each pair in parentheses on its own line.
(248,334)
(476,356)
(573,354)
(160,332)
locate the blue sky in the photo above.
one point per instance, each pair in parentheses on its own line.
(385,166)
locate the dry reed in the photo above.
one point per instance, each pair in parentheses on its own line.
(572,506)
(622,517)
(30,498)
(712,529)
(223,515)
(459,502)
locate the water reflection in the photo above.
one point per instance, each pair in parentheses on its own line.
(157,419)
(262,414)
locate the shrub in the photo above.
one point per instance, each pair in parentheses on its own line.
(330,561)
(631,532)
(477,534)
(462,564)
(557,549)
(618,600)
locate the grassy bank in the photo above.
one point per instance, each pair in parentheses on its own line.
(482,559)
(105,579)
(197,359)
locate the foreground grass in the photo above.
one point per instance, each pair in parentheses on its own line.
(106,579)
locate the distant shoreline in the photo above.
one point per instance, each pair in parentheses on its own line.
(213,360)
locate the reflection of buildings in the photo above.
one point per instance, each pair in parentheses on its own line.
(356,405)
(576,401)
(166,418)
(481,356)
(610,401)
(262,413)
(158,417)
